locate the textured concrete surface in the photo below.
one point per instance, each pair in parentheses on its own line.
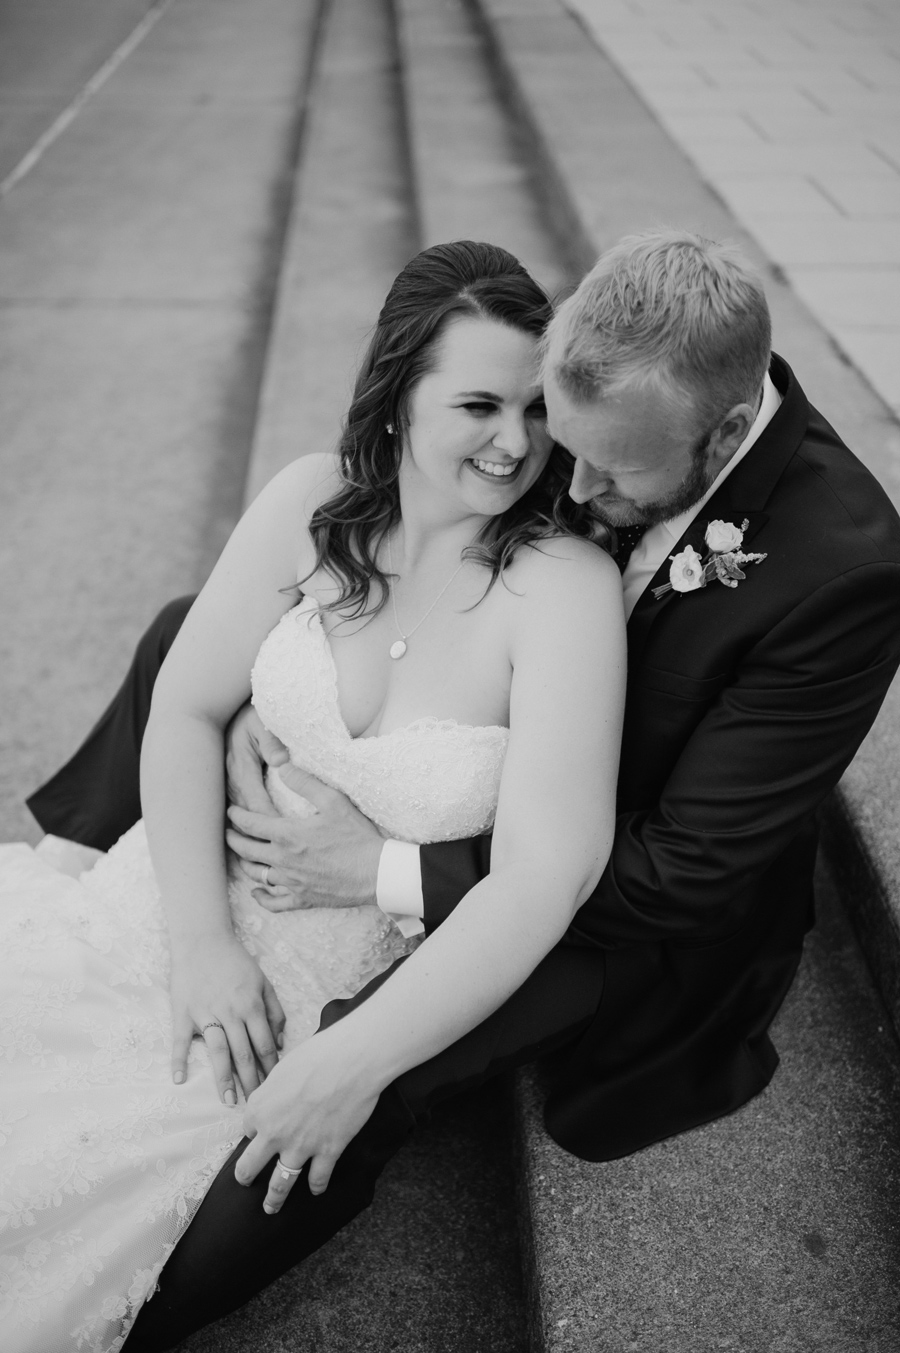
(791,112)
(352,228)
(48,54)
(432,1266)
(608,167)
(772,1231)
(473,177)
(136,273)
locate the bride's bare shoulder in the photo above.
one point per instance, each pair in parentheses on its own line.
(563,563)
(307,482)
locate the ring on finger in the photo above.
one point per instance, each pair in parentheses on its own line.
(212,1024)
(286,1171)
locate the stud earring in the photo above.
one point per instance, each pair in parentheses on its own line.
(389,429)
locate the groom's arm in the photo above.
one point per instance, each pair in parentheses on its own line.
(449,870)
(760,762)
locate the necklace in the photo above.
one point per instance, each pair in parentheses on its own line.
(399,647)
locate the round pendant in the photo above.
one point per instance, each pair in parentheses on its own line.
(398,649)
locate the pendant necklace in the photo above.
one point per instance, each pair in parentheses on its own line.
(399,646)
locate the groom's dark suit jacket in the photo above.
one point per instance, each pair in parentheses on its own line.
(744,707)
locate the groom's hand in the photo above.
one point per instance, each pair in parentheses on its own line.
(307,1111)
(327,860)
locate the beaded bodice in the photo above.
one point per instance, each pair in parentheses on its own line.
(432,780)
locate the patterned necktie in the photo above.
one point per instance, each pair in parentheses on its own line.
(628,537)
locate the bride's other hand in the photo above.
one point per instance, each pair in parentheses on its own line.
(309,1110)
(249,749)
(220,993)
(327,860)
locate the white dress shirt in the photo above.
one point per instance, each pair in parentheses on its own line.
(399,887)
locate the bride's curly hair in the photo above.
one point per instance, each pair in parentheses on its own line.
(463,278)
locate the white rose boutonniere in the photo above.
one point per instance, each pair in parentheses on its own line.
(724,536)
(688,571)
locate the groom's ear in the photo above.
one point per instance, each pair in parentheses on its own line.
(730,433)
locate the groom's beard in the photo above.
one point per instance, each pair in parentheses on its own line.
(614,511)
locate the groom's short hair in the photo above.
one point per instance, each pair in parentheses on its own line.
(669,309)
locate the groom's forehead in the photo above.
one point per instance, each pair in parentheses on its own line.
(629,432)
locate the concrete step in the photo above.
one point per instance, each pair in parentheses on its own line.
(136,271)
(48,55)
(473,177)
(774,1229)
(352,228)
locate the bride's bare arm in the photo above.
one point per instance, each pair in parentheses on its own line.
(552,837)
(204,679)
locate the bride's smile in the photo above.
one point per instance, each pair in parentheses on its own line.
(476,437)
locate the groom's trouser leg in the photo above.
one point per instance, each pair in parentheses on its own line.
(96,795)
(232,1249)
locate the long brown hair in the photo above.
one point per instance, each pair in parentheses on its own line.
(462,278)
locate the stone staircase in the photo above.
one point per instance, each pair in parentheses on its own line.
(404,122)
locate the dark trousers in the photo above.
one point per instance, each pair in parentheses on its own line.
(96,796)
(232,1249)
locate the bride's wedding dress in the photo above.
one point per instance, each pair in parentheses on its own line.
(103,1160)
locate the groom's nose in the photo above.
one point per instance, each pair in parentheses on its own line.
(587,482)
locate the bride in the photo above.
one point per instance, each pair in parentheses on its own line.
(427,626)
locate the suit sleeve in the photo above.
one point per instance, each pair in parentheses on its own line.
(760,762)
(765,755)
(449,870)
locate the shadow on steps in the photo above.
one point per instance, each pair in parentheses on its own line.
(772,1231)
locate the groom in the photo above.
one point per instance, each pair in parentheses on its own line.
(752,682)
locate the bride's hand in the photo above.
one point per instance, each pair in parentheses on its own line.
(249,749)
(320,1096)
(220,992)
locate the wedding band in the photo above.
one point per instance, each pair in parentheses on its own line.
(287,1172)
(265,878)
(213,1024)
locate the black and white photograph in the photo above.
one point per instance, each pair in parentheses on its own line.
(449,621)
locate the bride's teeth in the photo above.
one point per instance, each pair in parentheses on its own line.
(491,467)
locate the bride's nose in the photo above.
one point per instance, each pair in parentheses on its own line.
(512,436)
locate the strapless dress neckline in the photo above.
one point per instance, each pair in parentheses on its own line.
(310,606)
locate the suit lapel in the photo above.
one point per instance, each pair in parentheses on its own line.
(742,496)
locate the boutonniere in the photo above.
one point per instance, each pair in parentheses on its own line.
(689,570)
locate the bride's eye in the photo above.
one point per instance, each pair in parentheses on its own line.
(537,410)
(480,408)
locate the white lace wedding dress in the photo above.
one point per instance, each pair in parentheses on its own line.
(103,1160)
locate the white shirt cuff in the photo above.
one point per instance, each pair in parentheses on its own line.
(398,888)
